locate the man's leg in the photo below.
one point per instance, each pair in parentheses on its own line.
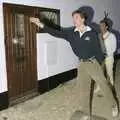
(84,82)
(109,61)
(95,71)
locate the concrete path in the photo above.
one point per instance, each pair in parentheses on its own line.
(58,104)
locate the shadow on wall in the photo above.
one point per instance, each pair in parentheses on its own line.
(90,11)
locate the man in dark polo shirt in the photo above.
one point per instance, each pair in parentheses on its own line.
(85,44)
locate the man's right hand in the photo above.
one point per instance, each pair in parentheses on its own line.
(37,22)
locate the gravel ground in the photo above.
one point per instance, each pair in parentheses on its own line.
(58,104)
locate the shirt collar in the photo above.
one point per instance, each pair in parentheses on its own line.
(87,29)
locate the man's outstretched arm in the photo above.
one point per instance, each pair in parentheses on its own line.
(57,33)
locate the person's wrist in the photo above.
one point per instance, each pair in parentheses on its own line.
(41,25)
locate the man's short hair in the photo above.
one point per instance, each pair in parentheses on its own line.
(106,22)
(82,13)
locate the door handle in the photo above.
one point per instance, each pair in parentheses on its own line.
(15,40)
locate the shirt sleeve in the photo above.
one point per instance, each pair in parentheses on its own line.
(111,45)
(62,33)
(102,44)
(97,48)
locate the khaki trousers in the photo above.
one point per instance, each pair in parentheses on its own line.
(88,71)
(109,62)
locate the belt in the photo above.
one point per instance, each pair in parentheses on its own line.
(87,60)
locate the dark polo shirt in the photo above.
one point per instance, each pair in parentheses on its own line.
(85,47)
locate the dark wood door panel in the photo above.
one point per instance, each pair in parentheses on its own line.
(20,43)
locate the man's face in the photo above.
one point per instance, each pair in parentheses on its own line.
(103,27)
(78,20)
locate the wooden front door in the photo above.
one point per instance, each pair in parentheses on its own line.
(20,43)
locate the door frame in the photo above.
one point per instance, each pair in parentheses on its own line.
(37,9)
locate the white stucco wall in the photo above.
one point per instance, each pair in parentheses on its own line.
(66,7)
